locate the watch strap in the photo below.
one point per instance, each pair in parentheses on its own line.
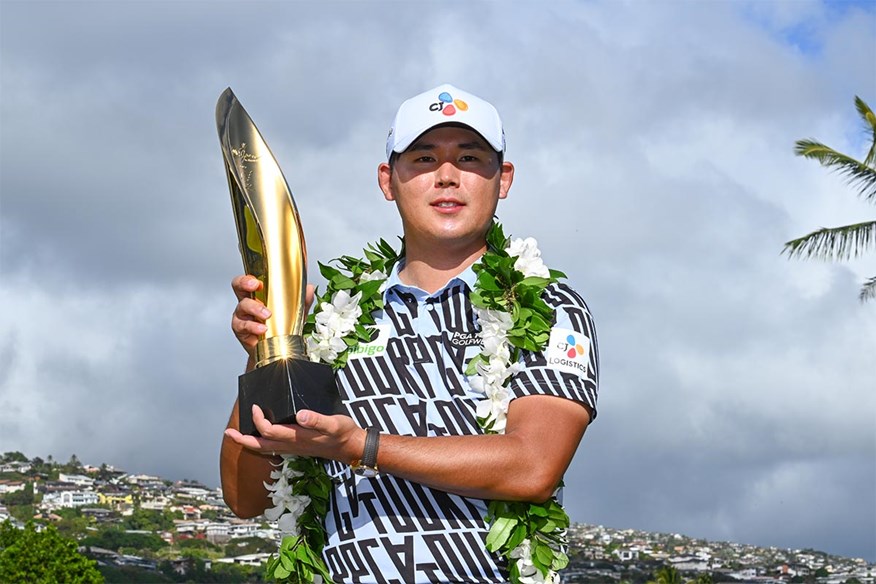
(372,442)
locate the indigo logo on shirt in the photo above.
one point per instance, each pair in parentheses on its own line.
(375,348)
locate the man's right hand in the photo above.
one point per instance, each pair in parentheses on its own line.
(249,316)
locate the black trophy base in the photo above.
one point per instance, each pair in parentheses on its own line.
(284,387)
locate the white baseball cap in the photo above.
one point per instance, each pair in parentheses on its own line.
(445,104)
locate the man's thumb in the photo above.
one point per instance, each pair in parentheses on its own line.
(307,419)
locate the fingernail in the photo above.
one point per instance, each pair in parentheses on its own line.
(261,328)
(303,417)
(265,313)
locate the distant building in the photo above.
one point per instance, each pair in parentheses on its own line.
(9,486)
(246,560)
(117,500)
(199,493)
(98,513)
(69,499)
(626,555)
(19,467)
(159,503)
(75,479)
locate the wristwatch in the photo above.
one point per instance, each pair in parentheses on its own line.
(367,465)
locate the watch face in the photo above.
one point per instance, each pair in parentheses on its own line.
(366,471)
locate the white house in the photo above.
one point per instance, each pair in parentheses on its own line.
(77,498)
(78,480)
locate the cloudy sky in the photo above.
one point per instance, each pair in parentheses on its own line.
(653,144)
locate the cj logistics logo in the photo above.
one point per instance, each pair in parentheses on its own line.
(568,351)
(447,105)
(571,347)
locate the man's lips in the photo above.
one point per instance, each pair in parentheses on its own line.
(447,205)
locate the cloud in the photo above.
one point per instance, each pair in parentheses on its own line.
(653,145)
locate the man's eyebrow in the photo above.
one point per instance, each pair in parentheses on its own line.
(422,146)
(419,146)
(472,146)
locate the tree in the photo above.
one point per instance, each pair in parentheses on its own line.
(249,545)
(666,575)
(113,538)
(14,456)
(42,557)
(848,241)
(22,497)
(73,465)
(148,520)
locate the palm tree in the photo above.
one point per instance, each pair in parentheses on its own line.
(666,575)
(848,241)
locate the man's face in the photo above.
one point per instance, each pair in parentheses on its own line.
(446,186)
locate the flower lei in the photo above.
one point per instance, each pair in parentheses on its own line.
(513,317)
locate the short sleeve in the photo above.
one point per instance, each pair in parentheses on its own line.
(569,365)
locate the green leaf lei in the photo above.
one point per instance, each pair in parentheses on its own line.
(530,536)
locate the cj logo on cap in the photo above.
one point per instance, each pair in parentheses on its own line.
(447,105)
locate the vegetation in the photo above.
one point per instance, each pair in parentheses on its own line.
(72,524)
(42,557)
(23,497)
(249,545)
(14,456)
(148,520)
(113,538)
(669,575)
(847,241)
(218,573)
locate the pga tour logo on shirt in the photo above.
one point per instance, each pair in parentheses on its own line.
(568,351)
(375,348)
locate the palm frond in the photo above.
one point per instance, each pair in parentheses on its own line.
(869,125)
(856,173)
(868,290)
(834,243)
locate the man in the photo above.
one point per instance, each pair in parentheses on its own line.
(422,518)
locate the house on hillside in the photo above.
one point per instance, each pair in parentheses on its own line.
(11,486)
(76,479)
(19,467)
(118,500)
(246,560)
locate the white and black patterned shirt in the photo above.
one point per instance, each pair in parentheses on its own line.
(410,381)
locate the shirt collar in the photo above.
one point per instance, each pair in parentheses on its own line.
(467,277)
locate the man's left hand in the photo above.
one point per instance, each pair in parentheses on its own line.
(331,437)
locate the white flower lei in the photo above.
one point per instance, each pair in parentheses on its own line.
(531,536)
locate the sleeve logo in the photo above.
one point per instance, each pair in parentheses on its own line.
(568,351)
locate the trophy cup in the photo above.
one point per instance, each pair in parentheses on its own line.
(272,246)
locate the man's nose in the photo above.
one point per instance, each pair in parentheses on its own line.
(447,175)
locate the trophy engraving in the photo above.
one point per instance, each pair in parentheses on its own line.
(273,250)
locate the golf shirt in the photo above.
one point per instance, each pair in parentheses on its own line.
(410,381)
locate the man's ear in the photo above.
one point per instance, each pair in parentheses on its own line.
(506,178)
(384,179)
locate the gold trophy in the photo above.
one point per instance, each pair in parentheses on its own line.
(272,247)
